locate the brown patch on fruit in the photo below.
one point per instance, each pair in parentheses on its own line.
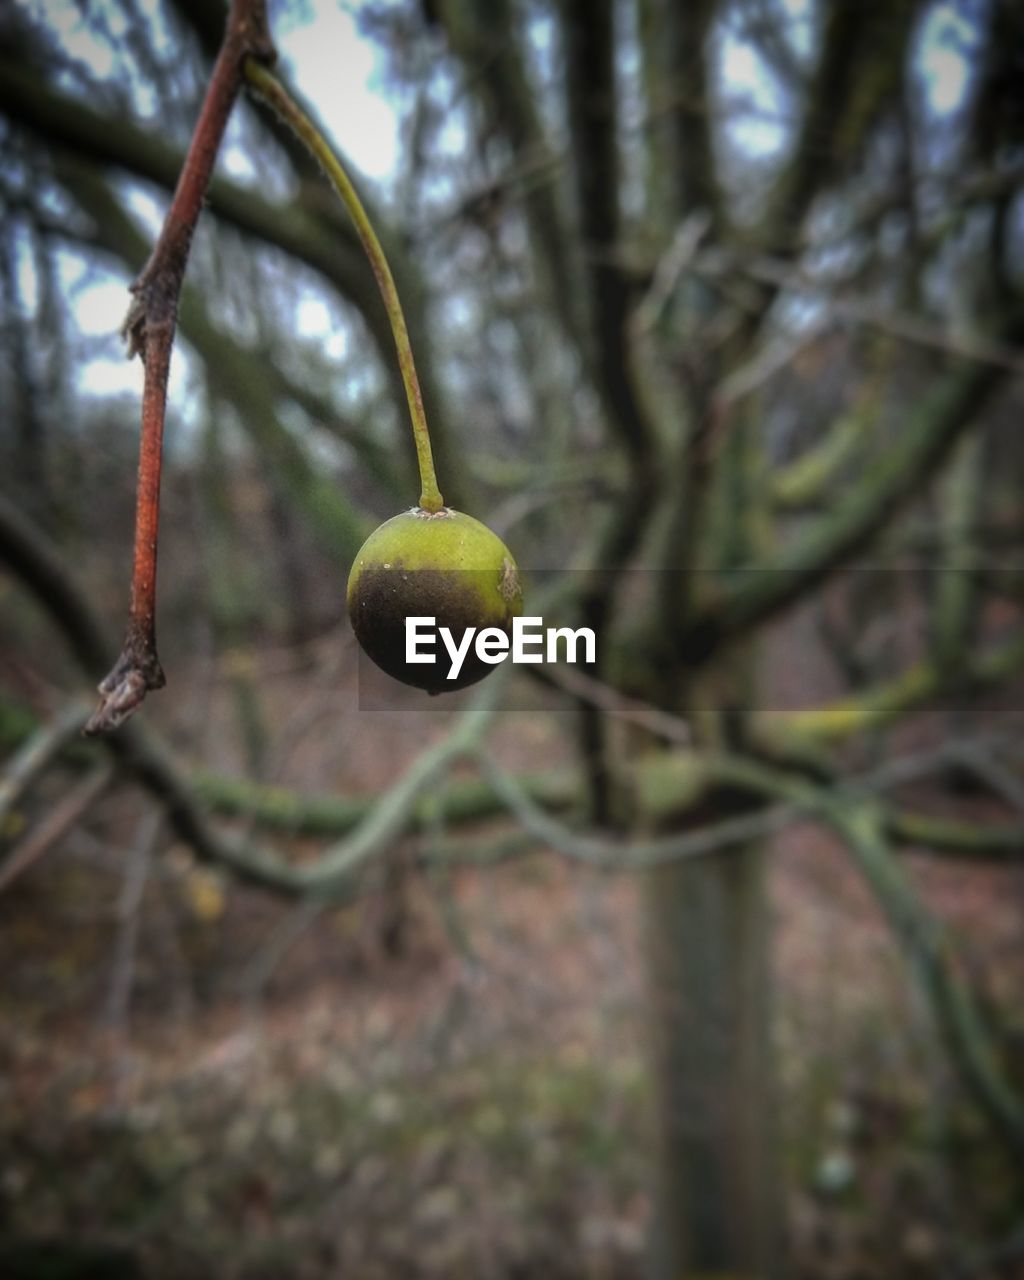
(384,599)
(509,584)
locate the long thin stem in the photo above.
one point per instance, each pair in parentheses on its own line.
(149,329)
(273,92)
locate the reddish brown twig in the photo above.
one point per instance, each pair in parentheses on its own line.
(149,330)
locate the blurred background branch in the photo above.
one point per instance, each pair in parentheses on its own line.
(717,311)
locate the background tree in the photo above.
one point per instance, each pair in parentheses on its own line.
(700,338)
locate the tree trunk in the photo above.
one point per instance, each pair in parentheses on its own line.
(718,1208)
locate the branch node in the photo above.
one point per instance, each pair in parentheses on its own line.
(148,330)
(123,690)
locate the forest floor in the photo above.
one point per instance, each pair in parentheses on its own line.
(448,1076)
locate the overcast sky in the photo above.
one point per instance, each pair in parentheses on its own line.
(342,74)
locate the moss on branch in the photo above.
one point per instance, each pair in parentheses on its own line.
(772,586)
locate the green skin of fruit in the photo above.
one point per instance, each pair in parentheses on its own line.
(443,565)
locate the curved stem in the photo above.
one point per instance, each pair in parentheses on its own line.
(267,86)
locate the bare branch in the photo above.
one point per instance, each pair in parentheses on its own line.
(717,263)
(628,854)
(239,378)
(952,1001)
(302,228)
(1003,781)
(609,700)
(486,40)
(39,566)
(36,755)
(883,704)
(149,329)
(695,774)
(55,825)
(151,764)
(771,587)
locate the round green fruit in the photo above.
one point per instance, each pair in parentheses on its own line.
(431,564)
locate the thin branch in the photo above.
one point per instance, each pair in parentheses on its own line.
(767,589)
(956,606)
(611,702)
(1003,781)
(469,801)
(675,262)
(880,705)
(304,227)
(696,774)
(330,875)
(952,1001)
(840,108)
(301,918)
(137,866)
(55,825)
(716,263)
(384,820)
(374,823)
(149,329)
(486,38)
(40,567)
(690,114)
(628,854)
(143,755)
(861,823)
(806,480)
(36,755)
(239,377)
(775,356)
(290,812)
(394,810)
(964,840)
